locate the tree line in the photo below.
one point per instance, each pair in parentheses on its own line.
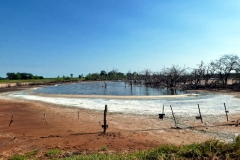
(103,75)
(22,76)
(213,74)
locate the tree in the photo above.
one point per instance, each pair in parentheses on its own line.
(173,75)
(93,76)
(147,74)
(11,75)
(120,75)
(112,74)
(129,75)
(202,73)
(16,76)
(225,65)
(71,75)
(80,76)
(103,73)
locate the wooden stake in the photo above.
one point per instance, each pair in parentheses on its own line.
(163,109)
(78,114)
(11,121)
(226,111)
(45,118)
(200,117)
(162,115)
(105,126)
(173,116)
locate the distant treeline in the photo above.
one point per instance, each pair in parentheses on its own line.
(103,75)
(215,74)
(222,72)
(20,76)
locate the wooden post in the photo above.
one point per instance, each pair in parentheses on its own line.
(105,126)
(163,109)
(200,115)
(173,116)
(78,114)
(45,118)
(11,121)
(162,115)
(226,111)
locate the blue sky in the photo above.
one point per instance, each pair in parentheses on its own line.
(59,37)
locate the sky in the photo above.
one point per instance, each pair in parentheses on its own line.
(53,38)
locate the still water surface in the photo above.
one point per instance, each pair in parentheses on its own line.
(113,88)
(211,104)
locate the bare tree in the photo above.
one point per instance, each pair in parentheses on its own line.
(203,73)
(172,75)
(158,78)
(147,78)
(225,65)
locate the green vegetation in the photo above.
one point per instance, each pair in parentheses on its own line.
(53,153)
(103,75)
(32,153)
(211,149)
(18,157)
(17,76)
(215,74)
(28,77)
(104,148)
(46,80)
(28,155)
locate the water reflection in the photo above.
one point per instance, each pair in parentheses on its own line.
(108,88)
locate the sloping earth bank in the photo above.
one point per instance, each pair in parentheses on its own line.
(43,126)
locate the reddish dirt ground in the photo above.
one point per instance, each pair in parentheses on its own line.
(63,129)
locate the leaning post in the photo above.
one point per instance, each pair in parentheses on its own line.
(200,115)
(11,121)
(226,111)
(173,116)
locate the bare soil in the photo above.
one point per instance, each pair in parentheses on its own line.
(38,125)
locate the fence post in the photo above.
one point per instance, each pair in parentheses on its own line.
(200,115)
(45,118)
(78,114)
(162,115)
(173,116)
(105,126)
(226,111)
(11,121)
(163,109)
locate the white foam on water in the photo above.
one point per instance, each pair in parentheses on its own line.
(187,106)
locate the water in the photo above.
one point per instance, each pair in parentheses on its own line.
(210,104)
(113,88)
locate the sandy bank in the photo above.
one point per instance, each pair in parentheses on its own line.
(117,97)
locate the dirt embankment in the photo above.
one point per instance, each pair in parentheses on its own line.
(46,126)
(31,84)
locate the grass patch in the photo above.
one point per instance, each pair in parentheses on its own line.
(32,153)
(18,157)
(53,153)
(211,149)
(104,148)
